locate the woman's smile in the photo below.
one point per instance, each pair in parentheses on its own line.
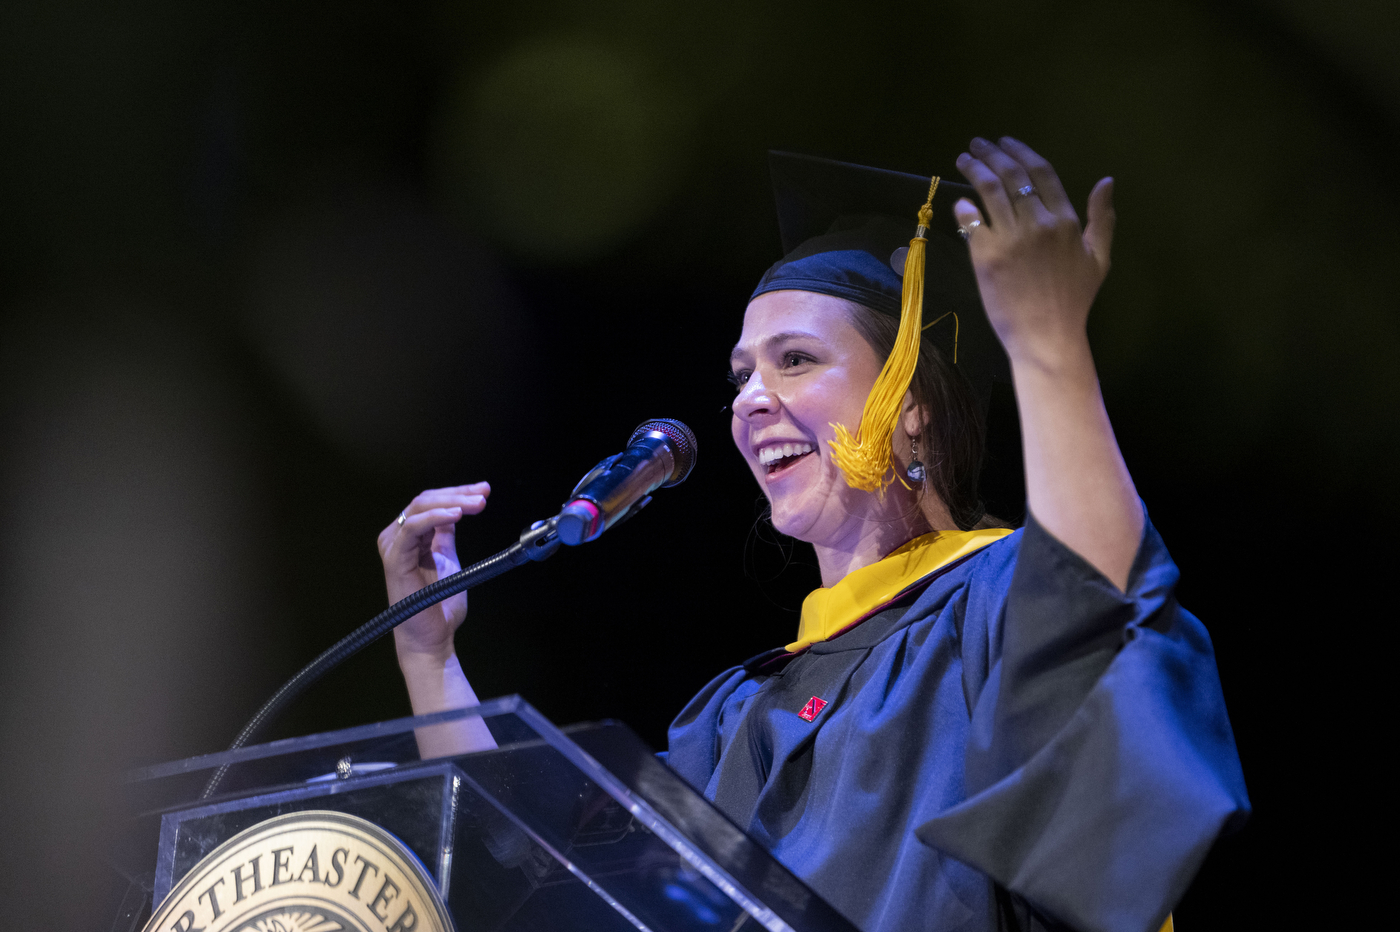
(777,458)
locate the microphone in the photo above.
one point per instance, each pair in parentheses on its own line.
(660,454)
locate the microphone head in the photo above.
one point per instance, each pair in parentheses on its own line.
(682,443)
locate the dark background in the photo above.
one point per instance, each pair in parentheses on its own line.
(269,269)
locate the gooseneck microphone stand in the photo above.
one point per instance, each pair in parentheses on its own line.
(539,542)
(660,454)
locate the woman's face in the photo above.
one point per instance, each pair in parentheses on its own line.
(801,366)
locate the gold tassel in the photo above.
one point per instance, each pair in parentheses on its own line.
(865,459)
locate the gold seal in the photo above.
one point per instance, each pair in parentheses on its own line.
(310,871)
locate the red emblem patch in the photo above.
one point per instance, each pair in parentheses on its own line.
(812,709)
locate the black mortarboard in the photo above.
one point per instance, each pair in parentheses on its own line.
(846,229)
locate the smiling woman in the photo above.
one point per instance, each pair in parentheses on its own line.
(975,727)
(805,363)
(801,368)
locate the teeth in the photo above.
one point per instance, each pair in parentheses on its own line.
(769,455)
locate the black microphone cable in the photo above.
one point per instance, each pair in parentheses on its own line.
(538,542)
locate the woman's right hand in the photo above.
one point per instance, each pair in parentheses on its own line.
(421,549)
(418,550)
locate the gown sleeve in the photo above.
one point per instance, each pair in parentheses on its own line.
(1100,764)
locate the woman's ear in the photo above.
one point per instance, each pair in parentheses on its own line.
(912,418)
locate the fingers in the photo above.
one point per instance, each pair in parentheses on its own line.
(987,184)
(1013,177)
(968,216)
(1098,235)
(472,488)
(1042,176)
(470,498)
(433,509)
(470,502)
(425,523)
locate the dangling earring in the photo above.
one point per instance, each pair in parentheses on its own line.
(916,468)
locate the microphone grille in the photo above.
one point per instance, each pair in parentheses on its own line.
(683,446)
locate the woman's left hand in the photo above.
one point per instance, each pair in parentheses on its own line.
(1037,269)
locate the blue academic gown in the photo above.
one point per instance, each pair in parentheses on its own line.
(1017,744)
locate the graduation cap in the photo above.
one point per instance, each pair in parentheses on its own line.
(846,233)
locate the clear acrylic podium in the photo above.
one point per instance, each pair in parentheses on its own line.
(580,828)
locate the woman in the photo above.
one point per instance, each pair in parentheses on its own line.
(974,727)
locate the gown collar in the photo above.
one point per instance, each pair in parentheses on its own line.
(828,612)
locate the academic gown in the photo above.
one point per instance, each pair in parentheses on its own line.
(1013,744)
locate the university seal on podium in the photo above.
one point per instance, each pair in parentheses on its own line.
(311,871)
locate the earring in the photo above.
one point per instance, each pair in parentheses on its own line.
(916,468)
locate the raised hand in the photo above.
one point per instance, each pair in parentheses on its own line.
(420,547)
(417,548)
(1038,273)
(1037,269)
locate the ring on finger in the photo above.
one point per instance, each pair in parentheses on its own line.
(403,516)
(965,229)
(1025,190)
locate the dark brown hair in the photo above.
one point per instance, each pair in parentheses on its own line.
(952,443)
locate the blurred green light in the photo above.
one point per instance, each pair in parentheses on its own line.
(561,149)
